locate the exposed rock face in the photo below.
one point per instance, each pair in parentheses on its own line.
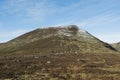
(68,39)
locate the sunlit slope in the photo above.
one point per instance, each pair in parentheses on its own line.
(67,39)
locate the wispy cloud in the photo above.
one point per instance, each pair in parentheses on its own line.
(99,19)
(105,27)
(36,11)
(95,16)
(27,9)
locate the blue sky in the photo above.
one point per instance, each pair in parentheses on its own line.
(99,17)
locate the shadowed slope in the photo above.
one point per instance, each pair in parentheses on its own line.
(116,46)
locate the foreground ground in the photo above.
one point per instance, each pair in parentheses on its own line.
(60,66)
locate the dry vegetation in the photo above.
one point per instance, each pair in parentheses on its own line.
(58,54)
(58,66)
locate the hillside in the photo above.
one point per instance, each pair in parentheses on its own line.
(56,39)
(58,53)
(1,43)
(116,46)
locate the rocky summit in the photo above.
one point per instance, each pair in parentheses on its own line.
(58,53)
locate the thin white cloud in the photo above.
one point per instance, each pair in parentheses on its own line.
(28,9)
(37,11)
(33,12)
(109,21)
(45,8)
(99,19)
(13,6)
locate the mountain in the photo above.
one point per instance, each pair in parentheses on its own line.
(67,39)
(116,46)
(58,53)
(1,43)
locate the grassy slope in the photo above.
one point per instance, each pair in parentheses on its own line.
(37,56)
(48,40)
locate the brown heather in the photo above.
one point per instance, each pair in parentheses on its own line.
(58,53)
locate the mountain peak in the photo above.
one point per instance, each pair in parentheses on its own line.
(67,30)
(63,52)
(57,39)
(74,29)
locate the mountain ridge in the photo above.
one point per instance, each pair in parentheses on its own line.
(61,36)
(58,53)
